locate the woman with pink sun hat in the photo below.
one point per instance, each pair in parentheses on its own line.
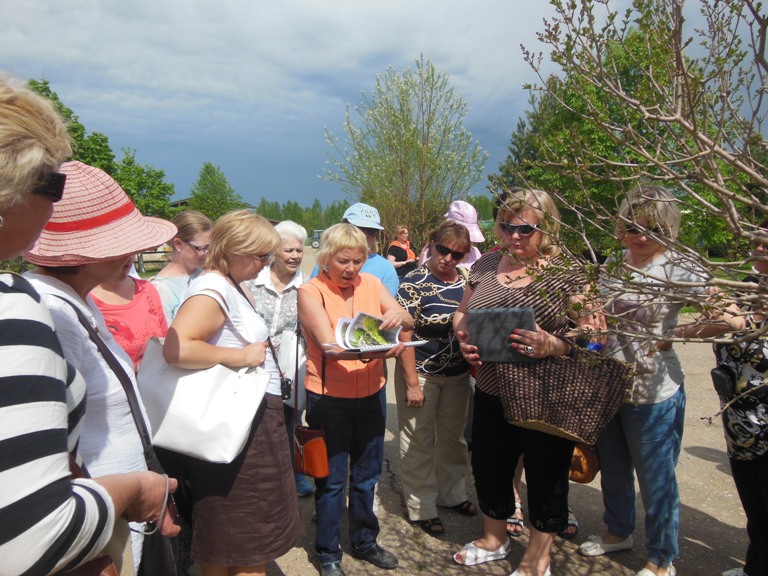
(92,237)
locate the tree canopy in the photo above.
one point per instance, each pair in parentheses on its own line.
(212,194)
(406,150)
(640,97)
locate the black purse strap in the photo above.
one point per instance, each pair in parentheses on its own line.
(269,340)
(125,382)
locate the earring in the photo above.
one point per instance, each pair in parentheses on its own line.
(325,268)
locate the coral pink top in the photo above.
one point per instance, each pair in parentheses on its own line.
(344,378)
(133,324)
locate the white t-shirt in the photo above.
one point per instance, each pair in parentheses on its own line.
(243,325)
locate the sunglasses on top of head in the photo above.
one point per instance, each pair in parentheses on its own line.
(521,229)
(444,251)
(51,185)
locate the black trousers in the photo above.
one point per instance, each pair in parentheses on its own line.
(751,478)
(496,448)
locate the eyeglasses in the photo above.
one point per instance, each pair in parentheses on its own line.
(51,186)
(370,231)
(455,254)
(201,249)
(522,229)
(263,257)
(635,231)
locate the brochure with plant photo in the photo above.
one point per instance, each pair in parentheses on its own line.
(363,334)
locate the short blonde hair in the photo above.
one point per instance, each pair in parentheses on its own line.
(239,233)
(33,141)
(341,237)
(654,204)
(519,200)
(399,229)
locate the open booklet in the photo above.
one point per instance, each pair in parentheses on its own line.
(362,334)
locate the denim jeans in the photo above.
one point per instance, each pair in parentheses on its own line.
(644,439)
(354,434)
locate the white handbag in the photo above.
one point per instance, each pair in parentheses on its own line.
(207,413)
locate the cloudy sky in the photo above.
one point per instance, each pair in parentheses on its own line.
(249,85)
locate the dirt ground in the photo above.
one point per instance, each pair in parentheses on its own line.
(712,534)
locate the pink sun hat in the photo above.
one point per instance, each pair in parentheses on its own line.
(464,213)
(95,221)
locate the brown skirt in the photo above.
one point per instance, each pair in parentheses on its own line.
(248,511)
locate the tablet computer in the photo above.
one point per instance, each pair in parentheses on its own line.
(489,330)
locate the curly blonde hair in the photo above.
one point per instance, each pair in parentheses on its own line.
(33,141)
(518,200)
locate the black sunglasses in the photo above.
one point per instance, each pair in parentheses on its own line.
(51,185)
(455,254)
(369,231)
(522,229)
(634,231)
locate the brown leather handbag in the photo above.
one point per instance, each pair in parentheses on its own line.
(584,464)
(310,452)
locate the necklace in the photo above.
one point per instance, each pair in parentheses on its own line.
(524,271)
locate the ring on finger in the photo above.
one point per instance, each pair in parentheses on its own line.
(528,349)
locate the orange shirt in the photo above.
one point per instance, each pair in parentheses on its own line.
(344,378)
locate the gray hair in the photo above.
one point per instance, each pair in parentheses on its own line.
(289,229)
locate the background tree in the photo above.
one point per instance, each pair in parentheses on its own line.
(640,96)
(408,153)
(145,185)
(92,149)
(212,194)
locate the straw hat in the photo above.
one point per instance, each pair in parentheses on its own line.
(95,221)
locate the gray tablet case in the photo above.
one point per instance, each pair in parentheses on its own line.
(489,330)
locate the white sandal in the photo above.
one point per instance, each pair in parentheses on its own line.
(471,554)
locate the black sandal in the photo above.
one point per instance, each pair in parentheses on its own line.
(433,526)
(466,508)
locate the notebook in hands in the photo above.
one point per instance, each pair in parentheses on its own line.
(489,330)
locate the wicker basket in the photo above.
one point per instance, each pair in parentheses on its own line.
(572,397)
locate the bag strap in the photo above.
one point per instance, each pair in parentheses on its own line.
(269,340)
(125,382)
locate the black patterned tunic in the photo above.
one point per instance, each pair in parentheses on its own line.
(432,303)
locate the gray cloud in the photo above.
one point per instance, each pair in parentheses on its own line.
(250,85)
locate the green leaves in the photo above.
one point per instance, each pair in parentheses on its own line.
(212,194)
(406,150)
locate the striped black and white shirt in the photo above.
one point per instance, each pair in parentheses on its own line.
(48,522)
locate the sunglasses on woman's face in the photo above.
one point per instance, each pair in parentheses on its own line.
(455,254)
(635,231)
(522,229)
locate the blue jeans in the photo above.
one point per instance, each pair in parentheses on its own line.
(354,434)
(644,439)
